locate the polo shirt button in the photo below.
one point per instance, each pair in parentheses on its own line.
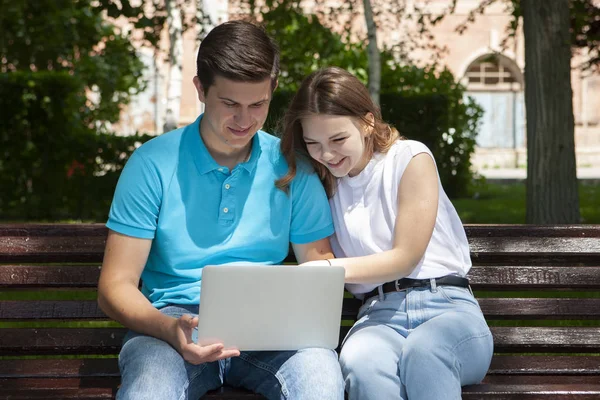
(226,210)
(227,186)
(220,169)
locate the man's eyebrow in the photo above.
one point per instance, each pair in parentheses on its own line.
(235,102)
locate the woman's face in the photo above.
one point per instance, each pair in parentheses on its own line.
(337,142)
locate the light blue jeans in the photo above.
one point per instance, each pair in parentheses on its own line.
(152,369)
(416,344)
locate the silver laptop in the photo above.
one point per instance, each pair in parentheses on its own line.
(271,307)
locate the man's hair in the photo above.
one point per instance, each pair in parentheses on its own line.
(239,51)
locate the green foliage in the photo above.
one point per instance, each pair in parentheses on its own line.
(65,73)
(306,46)
(73,36)
(452,139)
(585,30)
(52,166)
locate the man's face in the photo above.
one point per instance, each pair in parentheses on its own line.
(234,111)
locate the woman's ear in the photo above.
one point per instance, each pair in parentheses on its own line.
(370,123)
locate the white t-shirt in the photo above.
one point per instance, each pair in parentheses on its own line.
(364,212)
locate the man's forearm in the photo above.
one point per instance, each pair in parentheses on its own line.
(128,306)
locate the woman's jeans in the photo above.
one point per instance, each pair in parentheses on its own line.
(416,344)
(152,369)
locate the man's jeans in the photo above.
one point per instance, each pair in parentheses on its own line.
(416,344)
(152,369)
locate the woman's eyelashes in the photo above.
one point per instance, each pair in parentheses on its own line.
(339,140)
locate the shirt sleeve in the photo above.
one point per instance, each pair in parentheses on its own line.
(311,214)
(405,155)
(136,202)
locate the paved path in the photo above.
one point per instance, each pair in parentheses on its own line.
(521,173)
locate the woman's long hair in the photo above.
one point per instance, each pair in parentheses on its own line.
(331,91)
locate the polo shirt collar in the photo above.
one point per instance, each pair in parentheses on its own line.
(205,163)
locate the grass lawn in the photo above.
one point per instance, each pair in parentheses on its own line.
(496,203)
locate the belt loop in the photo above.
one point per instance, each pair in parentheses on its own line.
(433,284)
(381,295)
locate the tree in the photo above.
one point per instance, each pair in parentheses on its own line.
(63,35)
(552,192)
(373,53)
(553,30)
(175,63)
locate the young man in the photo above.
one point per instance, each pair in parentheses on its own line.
(205,194)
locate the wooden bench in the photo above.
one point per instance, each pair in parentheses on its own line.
(56,343)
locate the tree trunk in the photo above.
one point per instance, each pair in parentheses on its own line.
(373,53)
(174,82)
(552,189)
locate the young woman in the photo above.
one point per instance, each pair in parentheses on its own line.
(420,333)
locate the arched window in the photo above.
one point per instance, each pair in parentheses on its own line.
(496,84)
(493,72)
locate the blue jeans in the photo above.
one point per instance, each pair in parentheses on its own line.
(416,344)
(152,369)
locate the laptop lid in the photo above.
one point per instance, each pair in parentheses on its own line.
(271,307)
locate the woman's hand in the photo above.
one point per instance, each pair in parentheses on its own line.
(316,263)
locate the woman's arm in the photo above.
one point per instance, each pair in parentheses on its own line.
(418,195)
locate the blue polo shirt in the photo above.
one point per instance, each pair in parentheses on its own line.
(200,213)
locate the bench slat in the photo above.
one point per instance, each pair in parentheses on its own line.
(28,384)
(85,243)
(481,277)
(49,341)
(22,341)
(52,389)
(540,308)
(544,245)
(107,367)
(90,389)
(507,277)
(89,310)
(546,339)
(38,276)
(473,230)
(486,391)
(539,339)
(53,368)
(531,231)
(593,380)
(494,308)
(52,242)
(544,365)
(48,309)
(9,384)
(530,392)
(60,341)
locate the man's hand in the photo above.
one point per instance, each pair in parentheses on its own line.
(192,352)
